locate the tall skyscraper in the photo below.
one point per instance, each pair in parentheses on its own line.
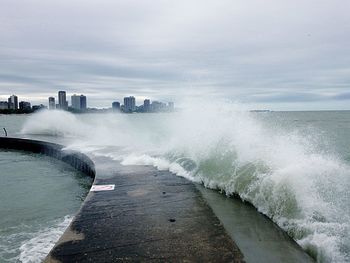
(52,104)
(13,102)
(78,102)
(62,101)
(83,102)
(75,100)
(147,105)
(129,104)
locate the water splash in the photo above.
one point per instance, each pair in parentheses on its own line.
(284,172)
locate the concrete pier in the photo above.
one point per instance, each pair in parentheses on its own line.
(153,216)
(76,159)
(150,216)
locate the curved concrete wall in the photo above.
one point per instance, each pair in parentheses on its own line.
(137,222)
(76,159)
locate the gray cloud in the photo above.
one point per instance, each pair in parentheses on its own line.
(258,52)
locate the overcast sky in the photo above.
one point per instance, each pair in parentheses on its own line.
(280,54)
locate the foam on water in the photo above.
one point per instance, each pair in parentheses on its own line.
(34,246)
(285,173)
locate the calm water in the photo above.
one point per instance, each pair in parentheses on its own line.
(293,167)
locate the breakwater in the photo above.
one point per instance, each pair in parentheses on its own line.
(152,215)
(76,159)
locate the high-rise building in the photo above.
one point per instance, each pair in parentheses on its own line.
(116,106)
(52,103)
(13,102)
(10,104)
(78,102)
(75,100)
(4,105)
(129,104)
(62,101)
(83,102)
(147,105)
(24,105)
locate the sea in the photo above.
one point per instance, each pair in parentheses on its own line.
(293,167)
(39,197)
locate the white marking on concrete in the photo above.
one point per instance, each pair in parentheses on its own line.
(102,187)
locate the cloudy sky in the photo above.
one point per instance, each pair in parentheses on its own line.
(286,54)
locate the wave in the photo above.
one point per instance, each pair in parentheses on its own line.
(285,172)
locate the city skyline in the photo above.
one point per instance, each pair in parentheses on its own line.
(107,104)
(78,103)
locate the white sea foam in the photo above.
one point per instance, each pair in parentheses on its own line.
(31,245)
(284,173)
(161,164)
(39,245)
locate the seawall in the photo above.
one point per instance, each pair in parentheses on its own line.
(150,216)
(77,160)
(154,216)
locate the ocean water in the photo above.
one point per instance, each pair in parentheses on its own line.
(294,167)
(39,197)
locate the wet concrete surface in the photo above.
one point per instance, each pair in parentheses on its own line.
(150,216)
(259,239)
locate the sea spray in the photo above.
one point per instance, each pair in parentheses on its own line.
(287,173)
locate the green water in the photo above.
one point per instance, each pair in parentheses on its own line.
(39,195)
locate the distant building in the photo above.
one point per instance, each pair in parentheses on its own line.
(52,103)
(83,102)
(13,102)
(62,101)
(78,102)
(4,105)
(129,104)
(158,106)
(38,107)
(147,105)
(24,105)
(116,106)
(75,100)
(171,106)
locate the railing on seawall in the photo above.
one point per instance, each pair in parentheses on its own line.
(77,160)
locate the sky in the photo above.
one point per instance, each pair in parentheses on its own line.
(279,55)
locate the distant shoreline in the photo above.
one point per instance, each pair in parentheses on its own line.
(101,111)
(8,112)
(93,111)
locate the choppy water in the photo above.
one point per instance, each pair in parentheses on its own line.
(292,166)
(38,196)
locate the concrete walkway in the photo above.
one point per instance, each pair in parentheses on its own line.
(150,216)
